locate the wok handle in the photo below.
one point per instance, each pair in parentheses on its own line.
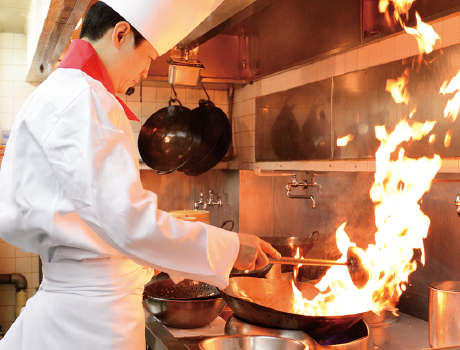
(310,262)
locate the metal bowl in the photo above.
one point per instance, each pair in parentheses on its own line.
(251,342)
(186,313)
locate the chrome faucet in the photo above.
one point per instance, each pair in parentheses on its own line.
(210,202)
(200,202)
(304,184)
(457,203)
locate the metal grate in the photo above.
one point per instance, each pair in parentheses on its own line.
(184,290)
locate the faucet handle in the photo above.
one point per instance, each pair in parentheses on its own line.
(457,204)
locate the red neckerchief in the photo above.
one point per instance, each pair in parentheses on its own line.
(81,55)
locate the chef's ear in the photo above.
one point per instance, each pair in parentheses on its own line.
(120,33)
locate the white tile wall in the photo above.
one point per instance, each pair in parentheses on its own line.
(387,50)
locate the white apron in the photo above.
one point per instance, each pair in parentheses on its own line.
(90,305)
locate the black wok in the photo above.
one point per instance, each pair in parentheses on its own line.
(215,140)
(170,137)
(287,246)
(270,305)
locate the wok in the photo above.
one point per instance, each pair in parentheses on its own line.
(216,139)
(287,246)
(169,138)
(269,303)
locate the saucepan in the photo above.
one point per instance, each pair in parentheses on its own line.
(269,303)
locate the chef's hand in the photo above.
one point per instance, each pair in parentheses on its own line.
(252,253)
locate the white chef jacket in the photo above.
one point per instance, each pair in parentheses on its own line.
(70,191)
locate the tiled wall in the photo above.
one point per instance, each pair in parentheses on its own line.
(393,48)
(13,92)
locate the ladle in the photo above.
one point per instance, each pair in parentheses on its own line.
(358,273)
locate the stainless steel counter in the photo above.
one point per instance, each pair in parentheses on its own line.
(408,333)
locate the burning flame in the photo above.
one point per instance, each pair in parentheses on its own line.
(401,7)
(295,270)
(397,88)
(424,33)
(453,105)
(447,138)
(401,227)
(343,141)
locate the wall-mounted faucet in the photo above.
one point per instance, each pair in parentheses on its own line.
(304,184)
(210,202)
(457,203)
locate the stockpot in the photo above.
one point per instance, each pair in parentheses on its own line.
(444,313)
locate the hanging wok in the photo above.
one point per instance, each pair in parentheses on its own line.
(216,139)
(170,137)
(269,303)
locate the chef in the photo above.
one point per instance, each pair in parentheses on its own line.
(70,190)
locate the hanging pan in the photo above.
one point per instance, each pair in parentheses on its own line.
(215,140)
(170,137)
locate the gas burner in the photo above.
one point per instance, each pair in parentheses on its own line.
(357,337)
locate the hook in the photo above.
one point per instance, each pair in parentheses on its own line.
(205,91)
(175,94)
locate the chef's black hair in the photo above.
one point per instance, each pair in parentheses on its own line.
(99,19)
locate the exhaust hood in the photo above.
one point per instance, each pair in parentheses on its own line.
(245,40)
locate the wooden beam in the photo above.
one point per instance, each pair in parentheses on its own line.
(60,23)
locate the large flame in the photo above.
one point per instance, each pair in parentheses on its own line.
(401,227)
(423,32)
(425,35)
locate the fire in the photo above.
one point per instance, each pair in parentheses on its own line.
(424,33)
(397,88)
(295,270)
(343,141)
(401,7)
(453,105)
(401,227)
(447,138)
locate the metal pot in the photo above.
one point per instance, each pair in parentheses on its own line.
(188,304)
(251,342)
(444,313)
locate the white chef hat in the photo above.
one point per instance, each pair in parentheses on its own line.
(164,22)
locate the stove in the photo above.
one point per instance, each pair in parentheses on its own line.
(357,337)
